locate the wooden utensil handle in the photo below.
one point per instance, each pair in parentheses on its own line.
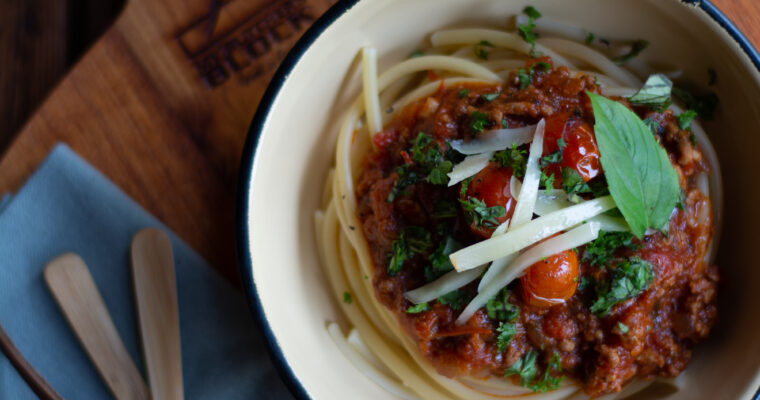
(73,288)
(156,296)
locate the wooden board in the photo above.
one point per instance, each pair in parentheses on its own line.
(162,108)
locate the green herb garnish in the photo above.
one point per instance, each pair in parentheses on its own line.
(417,308)
(463,93)
(477,213)
(640,177)
(479,50)
(512,158)
(478,121)
(573,183)
(507,331)
(499,308)
(636,48)
(439,259)
(599,251)
(526,31)
(655,93)
(412,240)
(623,328)
(703,105)
(489,97)
(455,299)
(685,118)
(525,367)
(628,280)
(589,38)
(347,298)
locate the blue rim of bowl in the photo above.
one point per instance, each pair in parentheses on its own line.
(245,258)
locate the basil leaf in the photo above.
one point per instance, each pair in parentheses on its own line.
(655,93)
(641,179)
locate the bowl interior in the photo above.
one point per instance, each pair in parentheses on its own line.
(295,150)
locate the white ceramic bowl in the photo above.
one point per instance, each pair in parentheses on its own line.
(290,147)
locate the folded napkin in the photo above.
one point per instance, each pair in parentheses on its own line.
(67,206)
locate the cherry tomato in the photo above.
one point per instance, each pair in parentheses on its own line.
(551,281)
(491,185)
(581,152)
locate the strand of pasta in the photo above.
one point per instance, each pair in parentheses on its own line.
(593,57)
(497,38)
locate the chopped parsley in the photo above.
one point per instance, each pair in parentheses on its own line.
(589,38)
(548,381)
(629,279)
(653,125)
(526,31)
(478,121)
(463,93)
(477,213)
(412,240)
(439,259)
(512,158)
(417,308)
(623,328)
(549,159)
(428,163)
(599,251)
(547,182)
(480,51)
(455,299)
(499,308)
(347,298)
(506,332)
(585,282)
(685,119)
(573,183)
(489,97)
(704,105)
(525,77)
(636,48)
(526,368)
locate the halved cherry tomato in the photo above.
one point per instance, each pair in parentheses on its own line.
(491,185)
(581,152)
(551,281)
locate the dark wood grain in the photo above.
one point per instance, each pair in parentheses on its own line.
(39,41)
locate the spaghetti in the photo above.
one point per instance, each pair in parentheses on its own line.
(482,63)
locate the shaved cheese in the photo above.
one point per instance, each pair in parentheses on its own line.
(526,199)
(573,238)
(451,281)
(495,140)
(529,233)
(469,167)
(529,189)
(557,200)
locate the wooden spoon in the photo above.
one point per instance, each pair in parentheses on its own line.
(156,295)
(73,288)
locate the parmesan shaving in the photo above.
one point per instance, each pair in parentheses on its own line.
(528,234)
(469,167)
(573,238)
(495,140)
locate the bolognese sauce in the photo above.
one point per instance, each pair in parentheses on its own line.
(563,314)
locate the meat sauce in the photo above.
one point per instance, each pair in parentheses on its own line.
(662,324)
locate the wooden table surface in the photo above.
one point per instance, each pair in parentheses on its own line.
(162,102)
